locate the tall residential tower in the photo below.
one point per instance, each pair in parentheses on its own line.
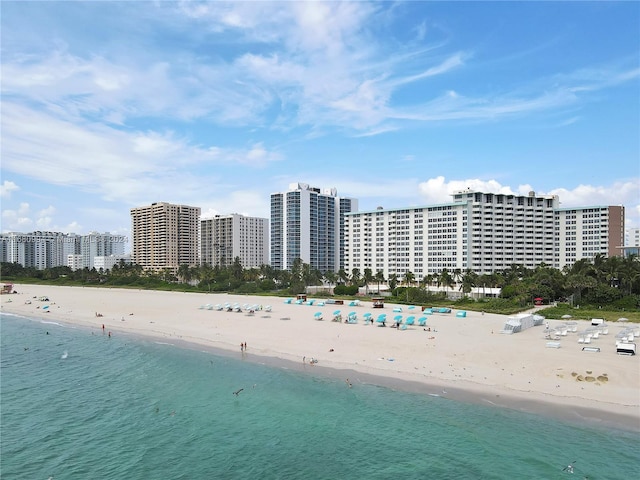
(307,223)
(165,236)
(224,238)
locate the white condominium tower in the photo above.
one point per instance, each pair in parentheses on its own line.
(100,245)
(584,232)
(165,236)
(227,237)
(307,223)
(484,232)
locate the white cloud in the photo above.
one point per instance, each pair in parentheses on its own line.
(7,188)
(50,210)
(111,162)
(17,220)
(299,64)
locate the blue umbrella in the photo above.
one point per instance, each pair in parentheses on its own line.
(337,312)
(398,318)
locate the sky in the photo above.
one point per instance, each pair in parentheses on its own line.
(107,106)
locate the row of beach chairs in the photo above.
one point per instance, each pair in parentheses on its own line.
(236,307)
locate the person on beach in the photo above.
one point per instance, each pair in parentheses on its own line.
(109,334)
(241,347)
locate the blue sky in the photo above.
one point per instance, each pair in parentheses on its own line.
(111,105)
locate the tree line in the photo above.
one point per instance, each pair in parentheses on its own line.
(601,281)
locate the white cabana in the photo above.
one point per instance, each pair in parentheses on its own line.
(519,322)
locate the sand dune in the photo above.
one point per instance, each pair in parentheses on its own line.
(461,358)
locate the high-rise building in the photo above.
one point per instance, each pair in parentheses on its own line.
(100,245)
(584,232)
(307,223)
(165,236)
(483,232)
(224,238)
(38,249)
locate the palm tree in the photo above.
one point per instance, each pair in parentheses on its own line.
(457,276)
(630,272)
(343,276)
(409,278)
(426,281)
(355,277)
(206,275)
(393,281)
(469,279)
(379,278)
(330,277)
(367,278)
(445,279)
(184,273)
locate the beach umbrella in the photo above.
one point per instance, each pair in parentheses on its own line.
(566,316)
(397,318)
(337,312)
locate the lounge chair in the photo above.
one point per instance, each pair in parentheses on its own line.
(461,314)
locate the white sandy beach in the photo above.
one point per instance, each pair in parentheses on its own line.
(459,357)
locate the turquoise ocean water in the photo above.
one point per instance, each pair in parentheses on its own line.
(78,405)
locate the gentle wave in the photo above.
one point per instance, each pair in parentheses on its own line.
(127,408)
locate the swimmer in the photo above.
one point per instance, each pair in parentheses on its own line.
(238,391)
(569,468)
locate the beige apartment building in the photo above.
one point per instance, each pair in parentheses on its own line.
(165,236)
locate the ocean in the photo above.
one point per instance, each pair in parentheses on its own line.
(76,404)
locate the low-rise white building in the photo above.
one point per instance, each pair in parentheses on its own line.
(107,262)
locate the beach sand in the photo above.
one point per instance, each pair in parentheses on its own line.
(464,359)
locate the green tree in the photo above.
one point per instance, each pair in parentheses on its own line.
(379,279)
(355,277)
(393,281)
(367,278)
(409,278)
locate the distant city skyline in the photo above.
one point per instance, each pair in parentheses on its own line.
(107,106)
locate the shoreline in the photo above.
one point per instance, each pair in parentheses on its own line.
(460,359)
